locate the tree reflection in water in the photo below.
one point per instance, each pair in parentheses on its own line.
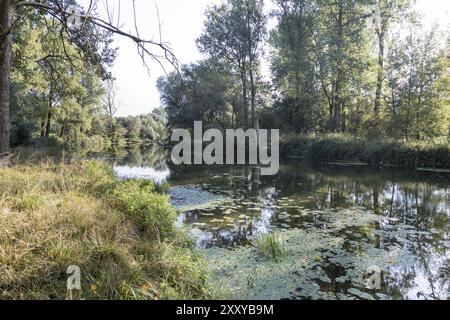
(415,209)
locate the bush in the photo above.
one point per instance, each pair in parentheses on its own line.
(151,211)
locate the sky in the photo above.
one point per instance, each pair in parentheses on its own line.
(181,22)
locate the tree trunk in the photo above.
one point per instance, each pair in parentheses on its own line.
(337,103)
(344,119)
(244,95)
(339,77)
(47,117)
(252,78)
(43,124)
(376,200)
(253,101)
(63,127)
(6,18)
(380,76)
(49,124)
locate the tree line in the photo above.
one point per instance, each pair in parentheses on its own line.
(59,96)
(55,82)
(362,67)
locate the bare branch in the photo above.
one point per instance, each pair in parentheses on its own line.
(142,44)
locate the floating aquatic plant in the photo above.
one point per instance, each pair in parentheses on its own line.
(189,198)
(323,263)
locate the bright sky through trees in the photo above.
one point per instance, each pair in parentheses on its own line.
(181,23)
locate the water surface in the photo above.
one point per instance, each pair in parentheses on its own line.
(339,225)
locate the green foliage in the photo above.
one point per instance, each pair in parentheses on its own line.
(55,91)
(201,94)
(233,35)
(149,210)
(225,90)
(329,78)
(331,63)
(332,70)
(319,53)
(418,81)
(58,92)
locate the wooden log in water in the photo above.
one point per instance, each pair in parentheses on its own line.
(349,164)
(435,170)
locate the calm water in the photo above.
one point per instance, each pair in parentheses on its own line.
(395,220)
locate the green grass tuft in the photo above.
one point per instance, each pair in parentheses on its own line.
(271,246)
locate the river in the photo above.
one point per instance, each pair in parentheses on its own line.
(343,226)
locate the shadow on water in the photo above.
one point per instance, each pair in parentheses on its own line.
(362,212)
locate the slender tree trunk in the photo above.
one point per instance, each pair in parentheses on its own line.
(339,76)
(43,124)
(380,76)
(244,95)
(251,71)
(253,101)
(63,128)
(376,200)
(344,119)
(46,117)
(337,103)
(330,97)
(111,128)
(49,124)
(6,18)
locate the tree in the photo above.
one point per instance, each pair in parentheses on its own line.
(293,64)
(233,33)
(110,105)
(387,11)
(202,93)
(319,49)
(90,39)
(7,10)
(418,83)
(110,100)
(59,93)
(342,36)
(133,126)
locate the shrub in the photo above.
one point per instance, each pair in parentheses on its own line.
(151,211)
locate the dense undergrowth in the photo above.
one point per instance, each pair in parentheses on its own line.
(120,233)
(339,147)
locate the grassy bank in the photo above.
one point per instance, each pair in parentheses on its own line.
(120,233)
(338,147)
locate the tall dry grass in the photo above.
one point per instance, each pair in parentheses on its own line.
(120,234)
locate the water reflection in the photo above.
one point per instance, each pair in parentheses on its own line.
(232,222)
(142,163)
(414,207)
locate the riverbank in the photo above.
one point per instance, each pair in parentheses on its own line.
(120,234)
(374,152)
